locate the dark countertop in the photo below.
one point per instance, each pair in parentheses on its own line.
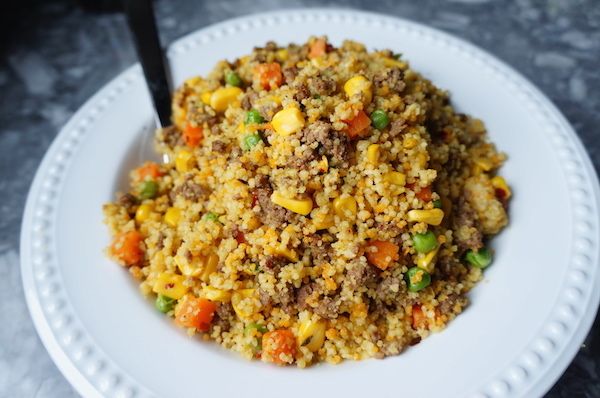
(55,56)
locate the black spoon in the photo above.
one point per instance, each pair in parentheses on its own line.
(142,24)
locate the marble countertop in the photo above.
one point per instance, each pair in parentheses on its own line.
(56,56)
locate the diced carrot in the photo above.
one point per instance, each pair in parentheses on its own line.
(358,125)
(193,312)
(277,343)
(317,48)
(149,171)
(269,75)
(127,248)
(419,320)
(382,253)
(424,194)
(192,135)
(239,237)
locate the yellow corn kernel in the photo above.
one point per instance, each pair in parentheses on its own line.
(330,284)
(143,212)
(287,253)
(499,182)
(331,334)
(409,143)
(311,334)
(183,161)
(359,85)
(426,261)
(288,121)
(484,164)
(300,206)
(193,81)
(431,217)
(179,115)
(209,265)
(345,207)
(172,216)
(373,154)
(393,63)
(223,97)
(282,54)
(205,97)
(170,285)
(245,303)
(395,177)
(188,268)
(323,164)
(322,221)
(214,294)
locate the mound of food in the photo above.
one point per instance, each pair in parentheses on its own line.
(320,204)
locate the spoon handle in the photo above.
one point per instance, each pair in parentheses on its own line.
(142,24)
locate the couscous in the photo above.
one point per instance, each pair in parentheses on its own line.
(320,203)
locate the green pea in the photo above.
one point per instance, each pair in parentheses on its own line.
(417,279)
(379,119)
(437,203)
(253,116)
(233,79)
(164,304)
(210,216)
(479,259)
(259,328)
(148,190)
(397,55)
(250,141)
(424,243)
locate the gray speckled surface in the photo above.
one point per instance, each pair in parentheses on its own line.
(58,56)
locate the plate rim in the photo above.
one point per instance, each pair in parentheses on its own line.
(84,115)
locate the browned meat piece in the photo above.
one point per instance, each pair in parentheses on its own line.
(189,190)
(224,315)
(128,201)
(304,293)
(287,298)
(327,308)
(270,214)
(320,251)
(264,297)
(248,99)
(289,74)
(271,46)
(360,274)
(448,304)
(397,128)
(302,93)
(336,146)
(465,225)
(322,85)
(219,147)
(393,78)
(172,136)
(273,263)
(200,117)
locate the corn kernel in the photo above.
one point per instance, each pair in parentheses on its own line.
(223,97)
(322,221)
(172,216)
(373,154)
(288,121)
(143,213)
(345,207)
(188,268)
(323,164)
(205,97)
(395,177)
(431,217)
(244,303)
(311,334)
(283,54)
(214,294)
(183,161)
(300,206)
(394,63)
(426,261)
(359,85)
(499,182)
(287,253)
(209,265)
(170,285)
(484,164)
(409,143)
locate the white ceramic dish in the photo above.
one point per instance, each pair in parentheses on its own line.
(527,318)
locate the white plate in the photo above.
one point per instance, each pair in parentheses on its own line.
(527,318)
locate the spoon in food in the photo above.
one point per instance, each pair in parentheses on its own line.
(142,24)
